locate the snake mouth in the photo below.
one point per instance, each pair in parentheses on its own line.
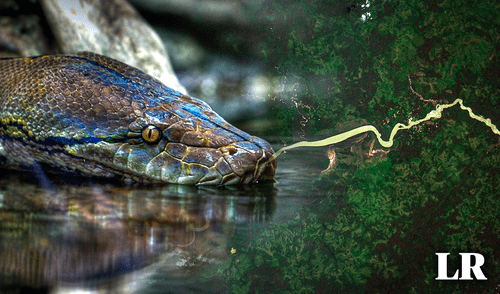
(262,170)
(243,163)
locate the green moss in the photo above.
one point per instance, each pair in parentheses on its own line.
(381,222)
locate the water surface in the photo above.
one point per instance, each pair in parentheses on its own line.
(370,225)
(158,239)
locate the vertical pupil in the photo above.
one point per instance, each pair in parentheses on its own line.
(151,134)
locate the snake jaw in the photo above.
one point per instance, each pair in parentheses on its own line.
(240,165)
(249,162)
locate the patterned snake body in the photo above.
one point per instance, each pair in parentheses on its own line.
(89,114)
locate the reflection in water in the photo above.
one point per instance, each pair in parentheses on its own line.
(92,234)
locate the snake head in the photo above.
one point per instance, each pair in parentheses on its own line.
(180,139)
(191,144)
(101,117)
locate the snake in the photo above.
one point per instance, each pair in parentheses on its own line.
(90,115)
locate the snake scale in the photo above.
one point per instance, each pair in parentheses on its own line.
(88,114)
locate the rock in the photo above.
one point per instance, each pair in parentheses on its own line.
(112,28)
(206,11)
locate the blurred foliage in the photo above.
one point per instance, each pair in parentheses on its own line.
(383,220)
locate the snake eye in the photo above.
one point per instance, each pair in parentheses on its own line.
(151,134)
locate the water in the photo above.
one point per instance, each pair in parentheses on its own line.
(377,233)
(101,238)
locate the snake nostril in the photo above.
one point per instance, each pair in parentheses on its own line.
(231,150)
